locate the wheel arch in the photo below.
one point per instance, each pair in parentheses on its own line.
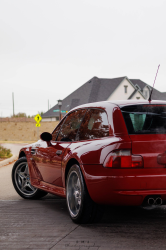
(22,154)
(70,163)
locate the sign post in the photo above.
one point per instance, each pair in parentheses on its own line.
(38,119)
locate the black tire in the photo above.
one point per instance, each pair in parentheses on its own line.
(81,207)
(21,181)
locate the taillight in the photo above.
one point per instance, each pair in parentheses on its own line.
(123,159)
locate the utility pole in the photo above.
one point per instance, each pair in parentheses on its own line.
(13,102)
(48,104)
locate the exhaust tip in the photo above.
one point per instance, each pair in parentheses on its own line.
(158,201)
(151,201)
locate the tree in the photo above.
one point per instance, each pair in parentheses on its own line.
(20,115)
(40,113)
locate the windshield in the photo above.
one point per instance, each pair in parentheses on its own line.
(145,119)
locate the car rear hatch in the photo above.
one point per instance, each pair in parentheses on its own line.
(146,125)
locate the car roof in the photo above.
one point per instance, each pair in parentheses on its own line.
(137,102)
(120,103)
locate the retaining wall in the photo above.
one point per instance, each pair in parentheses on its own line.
(24,131)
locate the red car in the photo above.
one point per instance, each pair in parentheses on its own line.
(100,153)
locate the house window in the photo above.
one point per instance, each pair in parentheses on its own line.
(125,88)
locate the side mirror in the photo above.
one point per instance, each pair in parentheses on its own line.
(46,136)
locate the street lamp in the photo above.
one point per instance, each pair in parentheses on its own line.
(60,105)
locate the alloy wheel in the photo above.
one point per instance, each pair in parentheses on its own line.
(22,179)
(74,194)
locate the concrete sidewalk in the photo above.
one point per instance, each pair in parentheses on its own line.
(14,147)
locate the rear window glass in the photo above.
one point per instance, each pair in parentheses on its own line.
(145,119)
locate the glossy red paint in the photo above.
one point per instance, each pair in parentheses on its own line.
(125,186)
(149,147)
(48,162)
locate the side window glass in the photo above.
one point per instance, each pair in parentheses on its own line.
(95,125)
(56,131)
(71,125)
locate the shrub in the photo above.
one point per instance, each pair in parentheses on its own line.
(5,153)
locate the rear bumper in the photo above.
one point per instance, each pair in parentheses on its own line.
(124,186)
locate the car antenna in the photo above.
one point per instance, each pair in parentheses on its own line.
(150,97)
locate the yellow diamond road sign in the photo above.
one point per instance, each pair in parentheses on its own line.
(38,119)
(37,124)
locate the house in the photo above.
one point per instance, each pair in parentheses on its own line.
(101,89)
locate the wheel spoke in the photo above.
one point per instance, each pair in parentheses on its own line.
(31,187)
(78,184)
(73,181)
(23,184)
(21,174)
(26,170)
(72,202)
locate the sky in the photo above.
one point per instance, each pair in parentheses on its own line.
(49,48)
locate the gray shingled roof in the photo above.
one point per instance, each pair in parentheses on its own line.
(156,95)
(135,91)
(97,89)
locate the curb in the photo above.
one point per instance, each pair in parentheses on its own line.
(8,161)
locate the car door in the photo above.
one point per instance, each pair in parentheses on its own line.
(49,156)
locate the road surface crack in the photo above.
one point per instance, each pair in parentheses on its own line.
(64,237)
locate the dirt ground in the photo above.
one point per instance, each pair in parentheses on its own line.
(24,131)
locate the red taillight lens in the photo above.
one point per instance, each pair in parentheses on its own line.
(123,159)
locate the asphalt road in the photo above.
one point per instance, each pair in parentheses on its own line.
(45,224)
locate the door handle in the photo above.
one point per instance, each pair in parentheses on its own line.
(59,152)
(33,151)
